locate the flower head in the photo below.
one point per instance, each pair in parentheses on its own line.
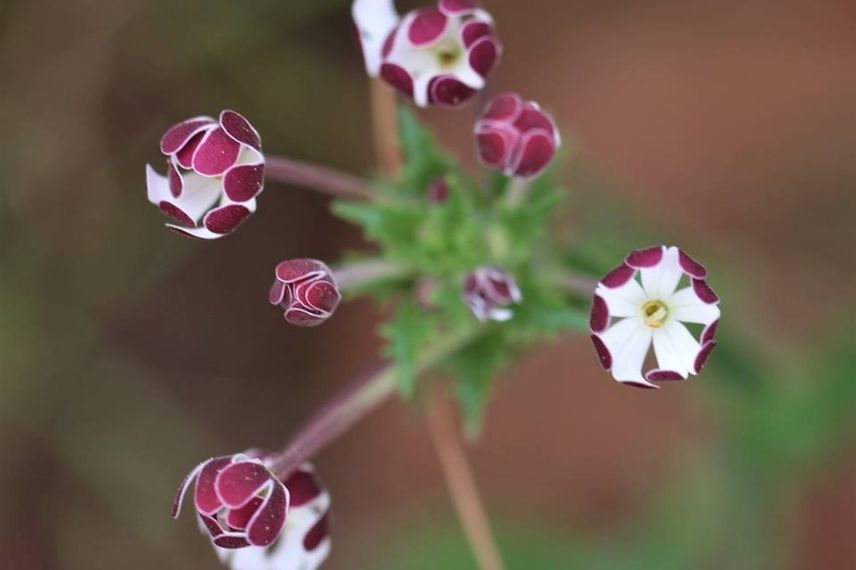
(489,291)
(305,540)
(238,501)
(516,136)
(215,170)
(306,291)
(629,315)
(439,55)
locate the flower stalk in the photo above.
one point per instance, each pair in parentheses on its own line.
(318,178)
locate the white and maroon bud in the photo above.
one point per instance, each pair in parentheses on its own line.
(439,55)
(629,315)
(438,191)
(305,540)
(306,290)
(516,136)
(489,292)
(215,170)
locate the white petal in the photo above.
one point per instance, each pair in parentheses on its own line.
(157,186)
(199,195)
(375,19)
(628,342)
(661,280)
(675,348)
(686,306)
(624,301)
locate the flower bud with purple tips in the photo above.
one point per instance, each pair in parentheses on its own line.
(489,291)
(215,170)
(516,136)
(439,55)
(306,290)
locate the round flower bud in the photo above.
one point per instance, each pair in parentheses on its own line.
(306,290)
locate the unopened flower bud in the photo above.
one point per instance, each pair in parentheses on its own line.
(306,291)
(489,292)
(516,136)
(438,191)
(215,170)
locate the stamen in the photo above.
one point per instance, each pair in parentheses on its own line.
(654,313)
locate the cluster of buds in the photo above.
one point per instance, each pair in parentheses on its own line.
(489,292)
(215,170)
(255,520)
(306,291)
(640,303)
(439,55)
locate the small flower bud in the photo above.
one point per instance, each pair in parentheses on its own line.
(488,292)
(438,191)
(433,55)
(516,136)
(306,291)
(215,170)
(645,301)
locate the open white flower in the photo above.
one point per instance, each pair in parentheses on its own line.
(629,315)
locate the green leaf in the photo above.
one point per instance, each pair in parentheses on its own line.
(406,333)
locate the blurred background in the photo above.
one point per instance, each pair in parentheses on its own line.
(128,353)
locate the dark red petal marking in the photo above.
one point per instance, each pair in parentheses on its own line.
(483,54)
(504,107)
(438,191)
(709,332)
(455,7)
(474,30)
(301,317)
(265,526)
(211,525)
(240,129)
(397,77)
(176,184)
(319,531)
(447,91)
(618,276)
(602,352)
(238,483)
(691,266)
(704,292)
(207,501)
(636,384)
(703,355)
(185,155)
(276,293)
(175,213)
(536,151)
(303,487)
(322,296)
(216,153)
(533,118)
(225,219)
(427,27)
(231,541)
(495,145)
(244,182)
(238,519)
(599,315)
(389,42)
(292,270)
(663,376)
(178,135)
(182,490)
(648,257)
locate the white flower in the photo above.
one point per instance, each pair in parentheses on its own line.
(629,315)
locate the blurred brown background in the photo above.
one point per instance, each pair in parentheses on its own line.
(129,353)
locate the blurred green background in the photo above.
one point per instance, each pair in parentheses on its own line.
(127,353)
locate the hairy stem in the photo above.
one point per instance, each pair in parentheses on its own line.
(360,273)
(462,485)
(355,402)
(319,178)
(517,190)
(573,282)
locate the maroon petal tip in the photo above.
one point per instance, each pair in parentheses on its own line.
(648,257)
(618,276)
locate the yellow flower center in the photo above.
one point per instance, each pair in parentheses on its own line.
(654,313)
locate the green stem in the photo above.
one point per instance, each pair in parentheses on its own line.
(355,275)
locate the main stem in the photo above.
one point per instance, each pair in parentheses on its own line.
(459,477)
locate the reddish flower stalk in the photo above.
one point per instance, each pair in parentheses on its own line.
(318,178)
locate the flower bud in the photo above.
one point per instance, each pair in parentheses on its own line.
(488,292)
(306,291)
(516,136)
(438,191)
(439,55)
(215,170)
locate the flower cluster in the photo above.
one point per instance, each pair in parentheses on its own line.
(215,170)
(641,303)
(439,55)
